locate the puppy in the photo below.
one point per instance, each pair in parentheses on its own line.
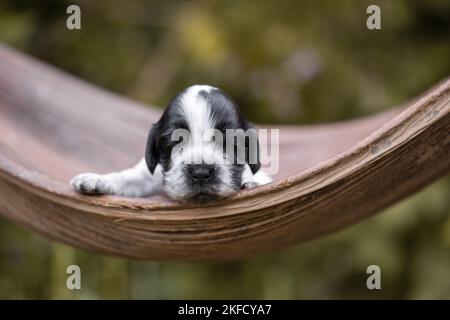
(200,150)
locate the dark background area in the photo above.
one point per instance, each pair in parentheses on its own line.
(298,62)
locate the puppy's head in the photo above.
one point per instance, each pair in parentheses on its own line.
(202,143)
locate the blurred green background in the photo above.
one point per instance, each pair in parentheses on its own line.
(284,62)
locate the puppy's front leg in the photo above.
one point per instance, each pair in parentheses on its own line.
(250,180)
(133,182)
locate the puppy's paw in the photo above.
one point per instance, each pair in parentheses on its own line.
(91,183)
(248,185)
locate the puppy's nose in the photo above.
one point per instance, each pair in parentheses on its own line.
(201,172)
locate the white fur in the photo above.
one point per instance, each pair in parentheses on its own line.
(258,179)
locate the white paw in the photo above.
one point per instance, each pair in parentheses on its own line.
(249,185)
(91,183)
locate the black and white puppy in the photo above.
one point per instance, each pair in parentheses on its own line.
(198,166)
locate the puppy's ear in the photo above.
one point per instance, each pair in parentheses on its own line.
(251,146)
(152,150)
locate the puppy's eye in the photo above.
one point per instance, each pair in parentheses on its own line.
(167,141)
(163,141)
(221,126)
(181,125)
